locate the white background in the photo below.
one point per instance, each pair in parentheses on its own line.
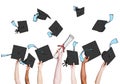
(81,28)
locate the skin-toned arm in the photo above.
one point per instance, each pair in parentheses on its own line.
(27,75)
(39,76)
(73,78)
(16,73)
(98,78)
(83,71)
(58,75)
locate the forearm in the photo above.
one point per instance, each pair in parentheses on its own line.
(73,78)
(57,75)
(27,77)
(16,74)
(83,74)
(39,78)
(98,78)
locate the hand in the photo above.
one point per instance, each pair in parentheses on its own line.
(86,59)
(17,61)
(40,64)
(73,66)
(103,65)
(61,46)
(28,67)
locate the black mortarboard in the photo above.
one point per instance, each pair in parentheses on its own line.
(55,28)
(108,56)
(44,53)
(22,26)
(72,57)
(30,60)
(42,15)
(91,50)
(18,52)
(79,11)
(100,24)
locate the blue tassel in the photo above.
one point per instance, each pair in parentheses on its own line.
(81,57)
(21,62)
(74,45)
(5,55)
(114,41)
(31,45)
(35,17)
(49,34)
(111,17)
(74,8)
(13,23)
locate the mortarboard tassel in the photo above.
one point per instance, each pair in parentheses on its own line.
(114,41)
(49,34)
(111,17)
(13,23)
(31,45)
(5,55)
(35,17)
(21,62)
(74,45)
(74,8)
(81,57)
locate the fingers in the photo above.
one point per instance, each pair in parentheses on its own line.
(62,47)
(86,59)
(40,64)
(18,60)
(73,66)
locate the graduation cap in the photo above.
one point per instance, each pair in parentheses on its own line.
(22,26)
(41,15)
(44,53)
(108,56)
(72,57)
(91,50)
(79,11)
(30,60)
(55,29)
(18,52)
(100,24)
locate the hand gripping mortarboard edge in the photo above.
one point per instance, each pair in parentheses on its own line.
(64,45)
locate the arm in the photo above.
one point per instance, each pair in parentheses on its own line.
(57,75)
(16,73)
(83,71)
(27,75)
(39,76)
(98,78)
(73,78)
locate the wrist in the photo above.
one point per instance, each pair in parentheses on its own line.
(27,70)
(83,63)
